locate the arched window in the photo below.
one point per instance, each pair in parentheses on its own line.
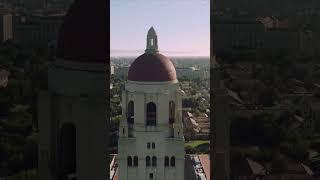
(154,161)
(148,161)
(148,145)
(130,112)
(151,114)
(135,161)
(129,159)
(153,145)
(166,161)
(67,148)
(172,112)
(173,161)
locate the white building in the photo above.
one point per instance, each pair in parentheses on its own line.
(112,67)
(151,141)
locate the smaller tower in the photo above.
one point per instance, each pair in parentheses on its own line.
(152,41)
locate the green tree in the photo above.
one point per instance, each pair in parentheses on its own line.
(190,150)
(278,165)
(267,97)
(297,149)
(261,129)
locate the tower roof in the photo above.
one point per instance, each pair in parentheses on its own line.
(152,66)
(83,36)
(152,31)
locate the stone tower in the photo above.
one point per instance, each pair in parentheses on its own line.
(72,111)
(151,141)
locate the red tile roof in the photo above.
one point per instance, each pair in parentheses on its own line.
(153,67)
(205,162)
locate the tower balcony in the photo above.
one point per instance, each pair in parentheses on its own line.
(130,120)
(130,131)
(175,139)
(126,131)
(175,132)
(171,132)
(152,128)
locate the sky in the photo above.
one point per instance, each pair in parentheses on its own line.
(182,26)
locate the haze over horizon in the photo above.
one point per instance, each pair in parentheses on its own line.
(134,54)
(183,27)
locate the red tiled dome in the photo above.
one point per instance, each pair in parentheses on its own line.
(83,34)
(153,67)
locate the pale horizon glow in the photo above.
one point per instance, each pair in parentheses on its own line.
(183,27)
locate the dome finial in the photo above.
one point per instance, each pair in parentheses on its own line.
(152,41)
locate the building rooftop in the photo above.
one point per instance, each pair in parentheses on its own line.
(152,67)
(205,162)
(256,168)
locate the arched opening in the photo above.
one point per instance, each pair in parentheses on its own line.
(130,118)
(173,161)
(153,145)
(68,150)
(154,161)
(172,116)
(148,161)
(151,114)
(172,112)
(148,145)
(129,161)
(166,161)
(130,113)
(135,161)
